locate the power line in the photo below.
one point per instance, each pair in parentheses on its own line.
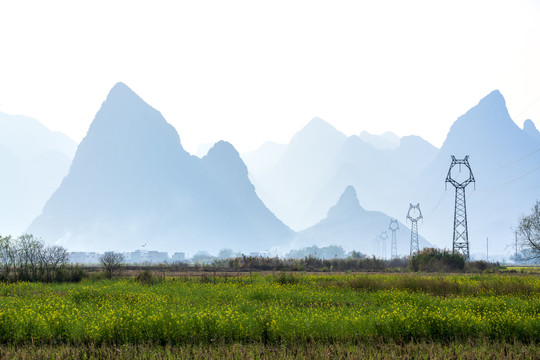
(511,181)
(510,163)
(528,107)
(437,205)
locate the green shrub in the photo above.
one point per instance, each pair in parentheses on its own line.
(287,278)
(145,277)
(482,266)
(437,260)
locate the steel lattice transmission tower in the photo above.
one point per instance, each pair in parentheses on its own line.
(460,242)
(384,236)
(394,226)
(414,226)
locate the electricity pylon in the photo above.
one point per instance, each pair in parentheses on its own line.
(414,226)
(394,226)
(378,241)
(460,241)
(384,236)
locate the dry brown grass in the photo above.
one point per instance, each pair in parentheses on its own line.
(479,349)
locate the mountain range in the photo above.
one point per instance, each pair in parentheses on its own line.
(306,176)
(131,182)
(504,158)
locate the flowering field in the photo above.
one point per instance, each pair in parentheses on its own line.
(281,309)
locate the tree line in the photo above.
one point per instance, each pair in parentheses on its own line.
(27,258)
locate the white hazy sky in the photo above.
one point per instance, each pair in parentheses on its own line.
(251,71)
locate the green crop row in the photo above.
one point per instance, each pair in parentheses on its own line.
(281,309)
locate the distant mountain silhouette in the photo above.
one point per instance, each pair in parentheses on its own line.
(386,141)
(320,162)
(132,181)
(504,158)
(360,164)
(349,225)
(288,185)
(412,155)
(263,158)
(503,162)
(34,160)
(28,138)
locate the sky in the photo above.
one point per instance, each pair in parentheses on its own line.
(252,71)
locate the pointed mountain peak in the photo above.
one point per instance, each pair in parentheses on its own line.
(529,125)
(223,148)
(120,92)
(489,119)
(126,112)
(349,195)
(494,100)
(317,125)
(223,157)
(347,204)
(530,129)
(317,121)
(495,95)
(316,130)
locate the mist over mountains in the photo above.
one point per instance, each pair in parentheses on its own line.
(351,226)
(34,161)
(504,159)
(505,164)
(131,182)
(320,162)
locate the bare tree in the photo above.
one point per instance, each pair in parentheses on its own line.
(51,259)
(528,234)
(112,263)
(28,256)
(7,255)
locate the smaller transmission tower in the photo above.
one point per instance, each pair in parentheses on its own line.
(414,227)
(378,241)
(460,241)
(383,237)
(394,226)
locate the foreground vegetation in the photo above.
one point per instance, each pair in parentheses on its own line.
(278,310)
(478,349)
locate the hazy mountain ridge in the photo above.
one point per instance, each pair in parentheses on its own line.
(385,141)
(288,184)
(132,182)
(34,160)
(503,158)
(27,137)
(349,225)
(346,160)
(131,176)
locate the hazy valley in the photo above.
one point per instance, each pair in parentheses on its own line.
(130,182)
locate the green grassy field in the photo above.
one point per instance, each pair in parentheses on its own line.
(276,312)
